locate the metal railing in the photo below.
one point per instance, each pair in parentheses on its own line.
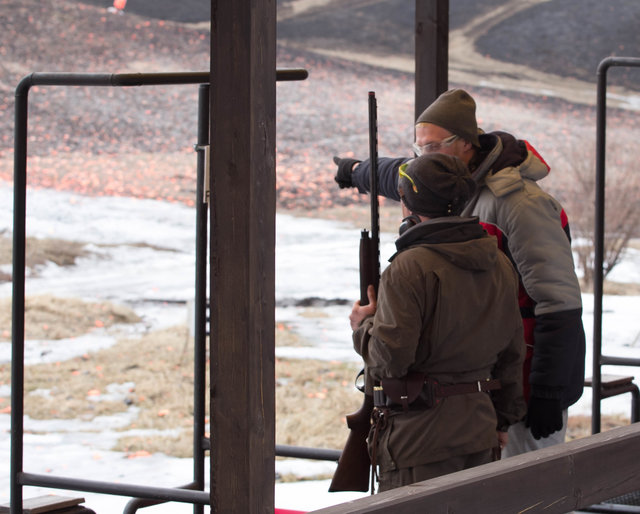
(194,491)
(598,359)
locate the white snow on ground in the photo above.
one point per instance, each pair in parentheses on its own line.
(314,258)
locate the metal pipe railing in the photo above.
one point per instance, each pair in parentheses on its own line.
(114,488)
(304,452)
(17,476)
(599,228)
(297,452)
(200,299)
(138,503)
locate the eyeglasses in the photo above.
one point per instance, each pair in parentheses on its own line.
(434,146)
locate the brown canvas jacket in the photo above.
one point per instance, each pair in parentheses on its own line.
(447,307)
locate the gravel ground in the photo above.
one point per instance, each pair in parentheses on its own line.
(565,37)
(569,38)
(139,141)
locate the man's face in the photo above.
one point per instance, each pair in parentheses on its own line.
(432,138)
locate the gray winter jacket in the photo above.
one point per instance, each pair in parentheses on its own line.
(533,230)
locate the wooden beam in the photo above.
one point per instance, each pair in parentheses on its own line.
(431,52)
(243,198)
(554,480)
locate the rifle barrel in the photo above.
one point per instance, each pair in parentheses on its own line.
(373,160)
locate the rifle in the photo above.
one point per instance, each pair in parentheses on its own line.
(354,466)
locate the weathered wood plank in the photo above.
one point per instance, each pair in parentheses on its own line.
(243,99)
(554,480)
(45,503)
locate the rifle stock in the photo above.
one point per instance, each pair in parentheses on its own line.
(354,465)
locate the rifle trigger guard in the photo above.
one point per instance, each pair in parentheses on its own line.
(360,387)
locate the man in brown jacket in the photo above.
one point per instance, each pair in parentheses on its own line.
(446,313)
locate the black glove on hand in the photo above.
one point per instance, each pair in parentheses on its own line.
(544,416)
(343,177)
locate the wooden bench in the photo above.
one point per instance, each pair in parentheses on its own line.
(51,504)
(613,385)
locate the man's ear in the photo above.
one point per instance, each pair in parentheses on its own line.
(467,145)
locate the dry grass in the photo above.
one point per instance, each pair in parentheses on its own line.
(610,287)
(580,426)
(155,374)
(621,288)
(48,317)
(159,367)
(156,370)
(41,251)
(312,399)
(357,215)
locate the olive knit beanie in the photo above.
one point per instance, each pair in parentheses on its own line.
(435,185)
(455,111)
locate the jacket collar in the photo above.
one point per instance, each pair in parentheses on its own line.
(498,150)
(452,229)
(504,162)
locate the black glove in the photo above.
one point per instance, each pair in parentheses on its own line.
(343,177)
(544,416)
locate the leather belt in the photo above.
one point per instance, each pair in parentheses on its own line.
(419,392)
(480,386)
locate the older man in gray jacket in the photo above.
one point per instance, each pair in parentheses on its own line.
(533,231)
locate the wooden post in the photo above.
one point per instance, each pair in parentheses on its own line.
(243,100)
(431,51)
